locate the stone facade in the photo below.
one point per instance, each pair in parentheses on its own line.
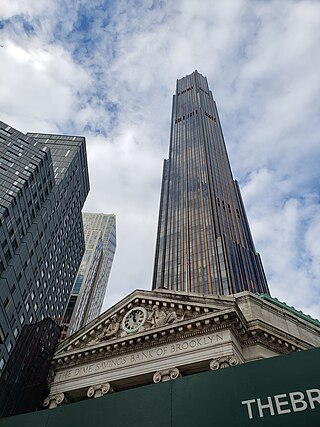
(156,336)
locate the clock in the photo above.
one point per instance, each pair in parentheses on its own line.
(134,319)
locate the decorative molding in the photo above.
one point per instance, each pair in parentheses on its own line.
(158,313)
(99,390)
(53,400)
(166,375)
(223,362)
(111,330)
(169,332)
(159,317)
(155,317)
(51,375)
(269,340)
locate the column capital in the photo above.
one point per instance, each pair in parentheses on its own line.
(166,375)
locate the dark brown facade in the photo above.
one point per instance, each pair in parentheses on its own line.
(204,243)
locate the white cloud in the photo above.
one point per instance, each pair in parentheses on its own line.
(39,85)
(9,8)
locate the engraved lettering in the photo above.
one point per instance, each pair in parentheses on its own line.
(211,338)
(157,352)
(219,337)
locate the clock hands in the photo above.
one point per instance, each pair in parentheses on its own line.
(134,319)
(134,316)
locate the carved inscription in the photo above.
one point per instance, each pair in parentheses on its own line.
(141,356)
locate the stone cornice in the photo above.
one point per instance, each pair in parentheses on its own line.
(276,310)
(204,303)
(272,334)
(210,322)
(277,344)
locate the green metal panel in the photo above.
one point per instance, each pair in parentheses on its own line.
(214,398)
(208,399)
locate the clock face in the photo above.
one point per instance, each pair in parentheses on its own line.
(134,319)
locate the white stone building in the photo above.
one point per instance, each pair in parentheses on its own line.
(154,336)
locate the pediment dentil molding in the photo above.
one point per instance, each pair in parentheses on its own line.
(153,309)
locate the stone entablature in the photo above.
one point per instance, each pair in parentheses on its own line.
(155,334)
(129,364)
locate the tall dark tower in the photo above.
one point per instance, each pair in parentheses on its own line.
(204,243)
(44,183)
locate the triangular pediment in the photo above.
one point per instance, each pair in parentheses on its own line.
(143,313)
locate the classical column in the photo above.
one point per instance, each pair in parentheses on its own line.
(166,375)
(53,400)
(99,390)
(223,362)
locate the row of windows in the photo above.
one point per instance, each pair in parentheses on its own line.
(186,117)
(210,116)
(52,290)
(184,91)
(202,90)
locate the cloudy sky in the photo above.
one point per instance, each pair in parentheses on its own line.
(107,70)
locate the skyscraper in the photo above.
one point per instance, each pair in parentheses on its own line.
(91,282)
(44,183)
(204,243)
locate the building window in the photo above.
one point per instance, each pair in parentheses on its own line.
(1,335)
(6,302)
(9,346)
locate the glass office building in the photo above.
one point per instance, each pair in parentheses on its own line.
(204,243)
(91,282)
(43,185)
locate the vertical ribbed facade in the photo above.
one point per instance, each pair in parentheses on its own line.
(204,243)
(91,282)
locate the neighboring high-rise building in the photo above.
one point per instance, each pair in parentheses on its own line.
(204,242)
(23,383)
(90,285)
(44,183)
